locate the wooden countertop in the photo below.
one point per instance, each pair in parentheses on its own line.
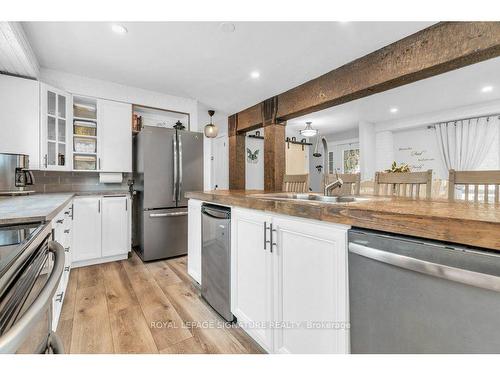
(474,224)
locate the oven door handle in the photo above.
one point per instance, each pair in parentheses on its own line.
(15,336)
(460,275)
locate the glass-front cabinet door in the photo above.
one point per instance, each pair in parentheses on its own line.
(55,132)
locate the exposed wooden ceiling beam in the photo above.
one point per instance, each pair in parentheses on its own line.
(435,50)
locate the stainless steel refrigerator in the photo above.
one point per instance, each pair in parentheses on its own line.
(167,163)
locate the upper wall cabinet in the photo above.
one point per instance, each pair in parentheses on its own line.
(55,134)
(115,140)
(19,117)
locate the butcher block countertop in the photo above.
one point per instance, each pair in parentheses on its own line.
(474,224)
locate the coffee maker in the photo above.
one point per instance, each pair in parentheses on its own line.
(15,176)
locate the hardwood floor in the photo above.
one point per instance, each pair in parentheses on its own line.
(135,307)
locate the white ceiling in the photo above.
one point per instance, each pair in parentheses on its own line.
(457,88)
(198,60)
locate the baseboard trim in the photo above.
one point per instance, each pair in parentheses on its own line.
(90,262)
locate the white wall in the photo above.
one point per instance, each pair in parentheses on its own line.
(367,153)
(409,141)
(384,150)
(220,120)
(419,149)
(115,91)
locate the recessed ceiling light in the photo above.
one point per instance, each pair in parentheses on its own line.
(255,74)
(227,27)
(119,29)
(487,89)
(393,110)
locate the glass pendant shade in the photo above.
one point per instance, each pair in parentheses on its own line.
(308,131)
(210,129)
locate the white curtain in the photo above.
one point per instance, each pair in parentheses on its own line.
(464,144)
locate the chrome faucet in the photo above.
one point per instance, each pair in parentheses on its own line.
(337,184)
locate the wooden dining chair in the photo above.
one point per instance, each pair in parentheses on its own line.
(476,183)
(351,186)
(403,184)
(296,183)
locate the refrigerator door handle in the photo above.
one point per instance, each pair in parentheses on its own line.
(174,194)
(180,169)
(169,214)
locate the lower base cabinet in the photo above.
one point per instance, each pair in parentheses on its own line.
(101,229)
(289,290)
(310,287)
(252,274)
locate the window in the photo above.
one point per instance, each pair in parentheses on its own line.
(330,162)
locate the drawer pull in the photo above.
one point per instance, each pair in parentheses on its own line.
(66,268)
(59,297)
(60,221)
(66,231)
(66,249)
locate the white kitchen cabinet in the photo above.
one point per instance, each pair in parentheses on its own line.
(55,129)
(86,228)
(20,117)
(101,229)
(194,239)
(297,286)
(251,274)
(115,225)
(115,138)
(310,286)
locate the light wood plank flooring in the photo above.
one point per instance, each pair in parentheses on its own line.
(135,307)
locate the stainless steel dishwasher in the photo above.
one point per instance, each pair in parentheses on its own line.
(410,295)
(216,258)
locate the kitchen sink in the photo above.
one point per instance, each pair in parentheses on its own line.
(307,197)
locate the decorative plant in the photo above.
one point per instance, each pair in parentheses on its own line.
(403,168)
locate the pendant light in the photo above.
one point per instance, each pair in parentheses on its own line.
(308,131)
(210,129)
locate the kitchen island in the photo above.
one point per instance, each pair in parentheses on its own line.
(289,257)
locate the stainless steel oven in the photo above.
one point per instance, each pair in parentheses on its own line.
(31,266)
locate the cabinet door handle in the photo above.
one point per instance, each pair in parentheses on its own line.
(66,249)
(99,206)
(265,234)
(66,268)
(99,163)
(45,160)
(60,221)
(126,204)
(66,231)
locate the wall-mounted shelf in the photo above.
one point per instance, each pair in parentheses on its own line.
(85,133)
(255,136)
(288,141)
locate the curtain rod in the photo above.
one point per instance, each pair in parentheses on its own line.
(433,125)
